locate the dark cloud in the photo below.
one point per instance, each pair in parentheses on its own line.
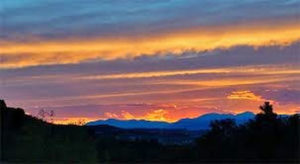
(71,18)
(283,96)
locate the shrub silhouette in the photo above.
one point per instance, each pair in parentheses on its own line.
(267,108)
(267,113)
(266,138)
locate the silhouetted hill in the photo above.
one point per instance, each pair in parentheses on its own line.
(27,139)
(199,123)
(162,136)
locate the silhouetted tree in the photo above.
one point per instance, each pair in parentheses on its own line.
(267,112)
(266,138)
(46,115)
(2,105)
(267,108)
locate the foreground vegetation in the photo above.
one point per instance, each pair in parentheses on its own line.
(266,138)
(25,138)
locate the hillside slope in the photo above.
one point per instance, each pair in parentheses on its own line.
(25,138)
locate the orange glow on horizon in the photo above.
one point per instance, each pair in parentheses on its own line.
(72,120)
(154,115)
(172,115)
(161,115)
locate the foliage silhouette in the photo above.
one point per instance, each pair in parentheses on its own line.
(28,139)
(268,137)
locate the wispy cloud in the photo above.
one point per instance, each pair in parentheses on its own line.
(250,70)
(244,95)
(16,55)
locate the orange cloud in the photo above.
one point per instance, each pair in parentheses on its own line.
(244,95)
(46,52)
(128,116)
(153,115)
(263,70)
(226,82)
(157,115)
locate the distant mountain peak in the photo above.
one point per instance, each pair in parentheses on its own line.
(246,112)
(198,123)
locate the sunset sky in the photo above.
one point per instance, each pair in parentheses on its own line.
(158,60)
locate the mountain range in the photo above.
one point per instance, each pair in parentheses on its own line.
(200,123)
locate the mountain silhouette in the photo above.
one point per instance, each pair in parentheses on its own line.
(131,124)
(199,123)
(203,122)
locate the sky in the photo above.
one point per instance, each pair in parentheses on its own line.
(159,60)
